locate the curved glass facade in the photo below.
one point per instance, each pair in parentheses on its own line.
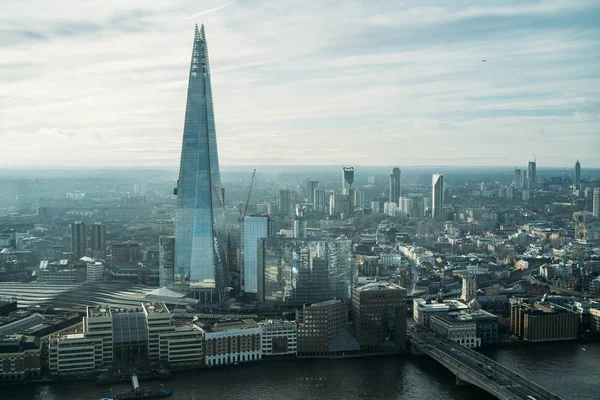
(200,257)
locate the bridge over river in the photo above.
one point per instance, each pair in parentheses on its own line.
(471,367)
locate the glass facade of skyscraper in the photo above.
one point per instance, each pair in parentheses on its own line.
(297,271)
(253,228)
(200,257)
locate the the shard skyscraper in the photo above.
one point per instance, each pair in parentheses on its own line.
(200,238)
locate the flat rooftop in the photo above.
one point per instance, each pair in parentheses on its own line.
(378,287)
(227,325)
(155,308)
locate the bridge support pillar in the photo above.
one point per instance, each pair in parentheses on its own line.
(460,382)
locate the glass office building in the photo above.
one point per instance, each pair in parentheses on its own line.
(252,229)
(200,239)
(297,271)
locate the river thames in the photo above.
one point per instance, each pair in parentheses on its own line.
(571,370)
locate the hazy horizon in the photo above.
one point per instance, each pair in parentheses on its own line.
(301,82)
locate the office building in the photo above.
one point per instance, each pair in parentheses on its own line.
(379,317)
(95,271)
(543,322)
(487,326)
(252,228)
(469,288)
(297,271)
(459,328)
(518,179)
(128,252)
(394,187)
(577,173)
(596,202)
(437,195)
(182,346)
(98,240)
(531,176)
(74,354)
(200,240)
(78,239)
(166,260)
(232,342)
(311,186)
(320,326)
(20,358)
(423,309)
(278,338)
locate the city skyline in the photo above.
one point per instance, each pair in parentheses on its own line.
(113,97)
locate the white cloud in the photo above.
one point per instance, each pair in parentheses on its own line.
(302,81)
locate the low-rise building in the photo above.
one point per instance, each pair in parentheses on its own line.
(542,322)
(423,309)
(323,330)
(20,357)
(278,338)
(231,342)
(74,354)
(458,327)
(595,320)
(182,347)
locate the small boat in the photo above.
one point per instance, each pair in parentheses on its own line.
(139,394)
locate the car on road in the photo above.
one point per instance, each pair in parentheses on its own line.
(453,349)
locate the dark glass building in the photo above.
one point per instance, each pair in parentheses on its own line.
(200,239)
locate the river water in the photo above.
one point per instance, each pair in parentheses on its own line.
(565,368)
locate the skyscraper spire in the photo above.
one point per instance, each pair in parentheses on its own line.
(200,257)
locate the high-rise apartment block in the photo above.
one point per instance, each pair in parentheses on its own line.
(286,205)
(379,317)
(394,187)
(311,186)
(200,239)
(531,175)
(98,240)
(166,260)
(437,195)
(78,239)
(518,179)
(596,202)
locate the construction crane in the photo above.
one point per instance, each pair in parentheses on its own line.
(244,208)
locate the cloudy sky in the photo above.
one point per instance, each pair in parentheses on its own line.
(360,82)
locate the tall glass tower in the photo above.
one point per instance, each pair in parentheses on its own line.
(200,239)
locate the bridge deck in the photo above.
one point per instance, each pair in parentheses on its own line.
(477,369)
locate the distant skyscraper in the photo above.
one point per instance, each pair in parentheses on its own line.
(596,203)
(252,228)
(348,177)
(437,195)
(577,173)
(166,260)
(285,202)
(395,193)
(320,205)
(518,180)
(200,239)
(531,175)
(311,186)
(98,240)
(78,239)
